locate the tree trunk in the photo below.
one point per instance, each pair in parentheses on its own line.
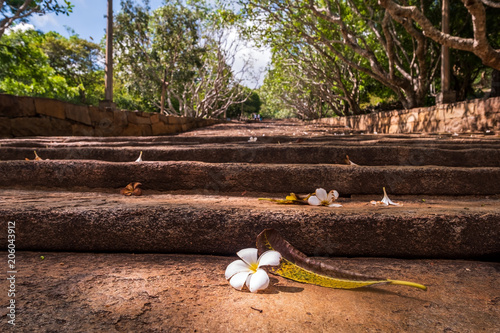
(163,90)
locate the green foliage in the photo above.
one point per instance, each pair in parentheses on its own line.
(49,65)
(252,105)
(80,62)
(25,69)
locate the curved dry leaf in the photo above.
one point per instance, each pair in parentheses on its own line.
(132,189)
(37,158)
(296,266)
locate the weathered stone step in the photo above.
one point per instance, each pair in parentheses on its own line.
(448,142)
(277,154)
(424,227)
(240,177)
(96,292)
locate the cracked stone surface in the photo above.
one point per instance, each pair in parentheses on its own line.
(97,292)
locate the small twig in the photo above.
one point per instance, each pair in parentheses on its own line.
(256,309)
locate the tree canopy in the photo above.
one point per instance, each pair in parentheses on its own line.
(329,57)
(21,10)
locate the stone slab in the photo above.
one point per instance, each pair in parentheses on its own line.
(78,113)
(16,106)
(240,177)
(219,224)
(30,126)
(97,292)
(50,107)
(5,127)
(261,153)
(138,118)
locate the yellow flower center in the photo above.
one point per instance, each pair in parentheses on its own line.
(253,267)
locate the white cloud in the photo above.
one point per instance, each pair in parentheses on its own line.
(20,27)
(44,22)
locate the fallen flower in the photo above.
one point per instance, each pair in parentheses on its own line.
(385,201)
(248,271)
(140,157)
(252,139)
(348,161)
(131,189)
(322,199)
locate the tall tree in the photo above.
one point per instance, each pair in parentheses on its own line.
(155,50)
(176,59)
(358,34)
(480,43)
(79,61)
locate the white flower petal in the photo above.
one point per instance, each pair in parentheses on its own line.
(238,280)
(235,267)
(259,281)
(313,201)
(386,201)
(270,258)
(248,255)
(334,205)
(321,194)
(247,281)
(332,195)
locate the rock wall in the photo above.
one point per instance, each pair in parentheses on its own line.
(32,116)
(473,115)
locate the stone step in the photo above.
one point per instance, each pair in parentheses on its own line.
(277,154)
(240,177)
(424,227)
(98,292)
(197,138)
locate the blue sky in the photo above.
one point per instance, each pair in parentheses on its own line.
(87,19)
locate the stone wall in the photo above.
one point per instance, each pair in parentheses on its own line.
(32,116)
(473,115)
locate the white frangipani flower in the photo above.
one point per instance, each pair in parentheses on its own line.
(248,271)
(322,199)
(140,158)
(385,200)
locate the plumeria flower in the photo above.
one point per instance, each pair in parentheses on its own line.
(140,158)
(252,139)
(322,199)
(248,271)
(385,201)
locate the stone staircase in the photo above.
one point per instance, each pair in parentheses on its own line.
(155,262)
